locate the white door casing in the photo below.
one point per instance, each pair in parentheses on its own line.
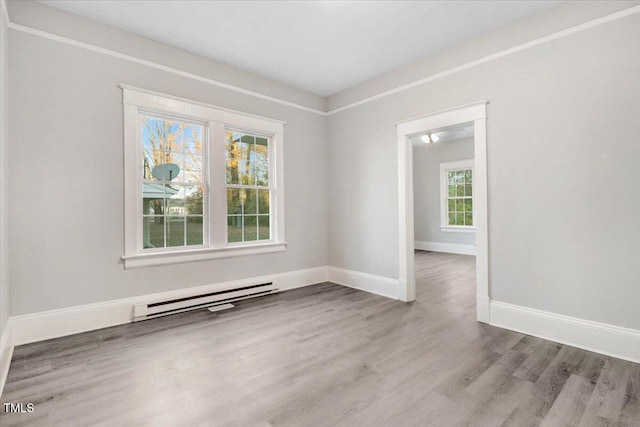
(475,113)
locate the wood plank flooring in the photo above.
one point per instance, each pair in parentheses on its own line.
(324,355)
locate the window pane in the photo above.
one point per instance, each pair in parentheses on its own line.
(250,198)
(262,161)
(175,200)
(194,199)
(468,218)
(468,190)
(246,167)
(459,205)
(459,218)
(161,134)
(175,231)
(173,169)
(147,164)
(162,145)
(460,190)
(452,191)
(250,228)
(468,205)
(232,157)
(452,219)
(152,199)
(263,227)
(153,232)
(467,176)
(234,203)
(452,177)
(263,201)
(234,228)
(193,138)
(192,168)
(195,230)
(162,165)
(459,177)
(451,205)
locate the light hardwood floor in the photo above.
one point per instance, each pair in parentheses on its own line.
(324,355)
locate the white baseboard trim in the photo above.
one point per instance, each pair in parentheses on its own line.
(615,341)
(301,278)
(28,328)
(365,282)
(451,248)
(42,326)
(6,351)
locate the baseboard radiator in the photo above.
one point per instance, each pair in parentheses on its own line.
(154,309)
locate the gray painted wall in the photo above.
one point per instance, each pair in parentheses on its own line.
(4,175)
(426,189)
(562,159)
(66,197)
(562,172)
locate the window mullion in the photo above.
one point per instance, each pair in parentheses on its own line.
(276,184)
(217,186)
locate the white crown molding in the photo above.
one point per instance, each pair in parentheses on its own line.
(550,37)
(151,64)
(541,40)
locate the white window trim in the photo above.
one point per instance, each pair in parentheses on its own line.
(444,192)
(138,100)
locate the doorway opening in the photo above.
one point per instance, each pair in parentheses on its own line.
(460,212)
(444,229)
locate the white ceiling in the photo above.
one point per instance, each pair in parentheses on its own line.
(446,134)
(319,46)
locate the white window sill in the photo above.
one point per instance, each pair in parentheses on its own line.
(175,257)
(458,229)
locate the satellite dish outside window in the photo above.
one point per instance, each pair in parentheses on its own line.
(165,172)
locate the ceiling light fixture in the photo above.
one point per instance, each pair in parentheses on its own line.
(434,137)
(425,139)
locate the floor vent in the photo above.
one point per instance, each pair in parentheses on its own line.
(178,305)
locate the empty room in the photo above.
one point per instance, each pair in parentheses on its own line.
(319,213)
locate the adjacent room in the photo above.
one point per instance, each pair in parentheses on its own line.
(319,213)
(444,230)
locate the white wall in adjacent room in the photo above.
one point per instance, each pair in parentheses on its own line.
(426,189)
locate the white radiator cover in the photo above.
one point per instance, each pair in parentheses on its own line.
(158,308)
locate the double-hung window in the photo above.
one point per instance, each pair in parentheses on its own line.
(248,191)
(201,182)
(173,182)
(456,196)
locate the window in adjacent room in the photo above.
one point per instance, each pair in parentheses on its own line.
(456,180)
(200,181)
